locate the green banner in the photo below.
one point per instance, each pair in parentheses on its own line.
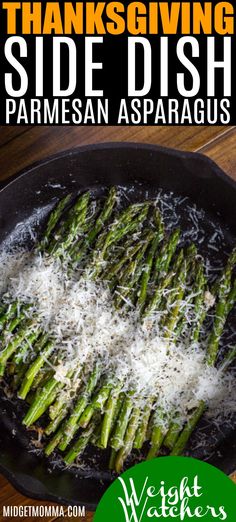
(169,488)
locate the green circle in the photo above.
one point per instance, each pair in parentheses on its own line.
(168,489)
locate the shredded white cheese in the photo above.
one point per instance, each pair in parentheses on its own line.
(86,327)
(80,316)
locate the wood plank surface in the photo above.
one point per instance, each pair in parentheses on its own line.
(21,146)
(8,134)
(223,151)
(37,143)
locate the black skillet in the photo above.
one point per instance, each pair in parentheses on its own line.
(29,197)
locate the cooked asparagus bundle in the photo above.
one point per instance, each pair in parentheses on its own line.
(145,271)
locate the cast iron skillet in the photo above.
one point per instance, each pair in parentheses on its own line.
(38,187)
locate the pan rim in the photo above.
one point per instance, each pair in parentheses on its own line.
(109,145)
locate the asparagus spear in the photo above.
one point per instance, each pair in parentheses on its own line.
(177,296)
(147,273)
(7,314)
(45,347)
(116,441)
(15,320)
(110,413)
(98,403)
(141,432)
(42,401)
(54,218)
(157,298)
(130,252)
(73,226)
(112,459)
(173,433)
(3,309)
(81,443)
(106,428)
(228,359)
(43,376)
(126,223)
(200,309)
(128,439)
(62,399)
(54,424)
(187,431)
(158,433)
(71,425)
(11,347)
(53,443)
(127,285)
(103,218)
(142,295)
(20,355)
(18,362)
(163,260)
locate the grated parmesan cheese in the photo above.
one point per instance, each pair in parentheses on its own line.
(86,327)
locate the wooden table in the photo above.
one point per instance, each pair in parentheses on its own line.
(21,146)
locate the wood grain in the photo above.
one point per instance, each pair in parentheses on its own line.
(223,151)
(8,134)
(36,143)
(21,146)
